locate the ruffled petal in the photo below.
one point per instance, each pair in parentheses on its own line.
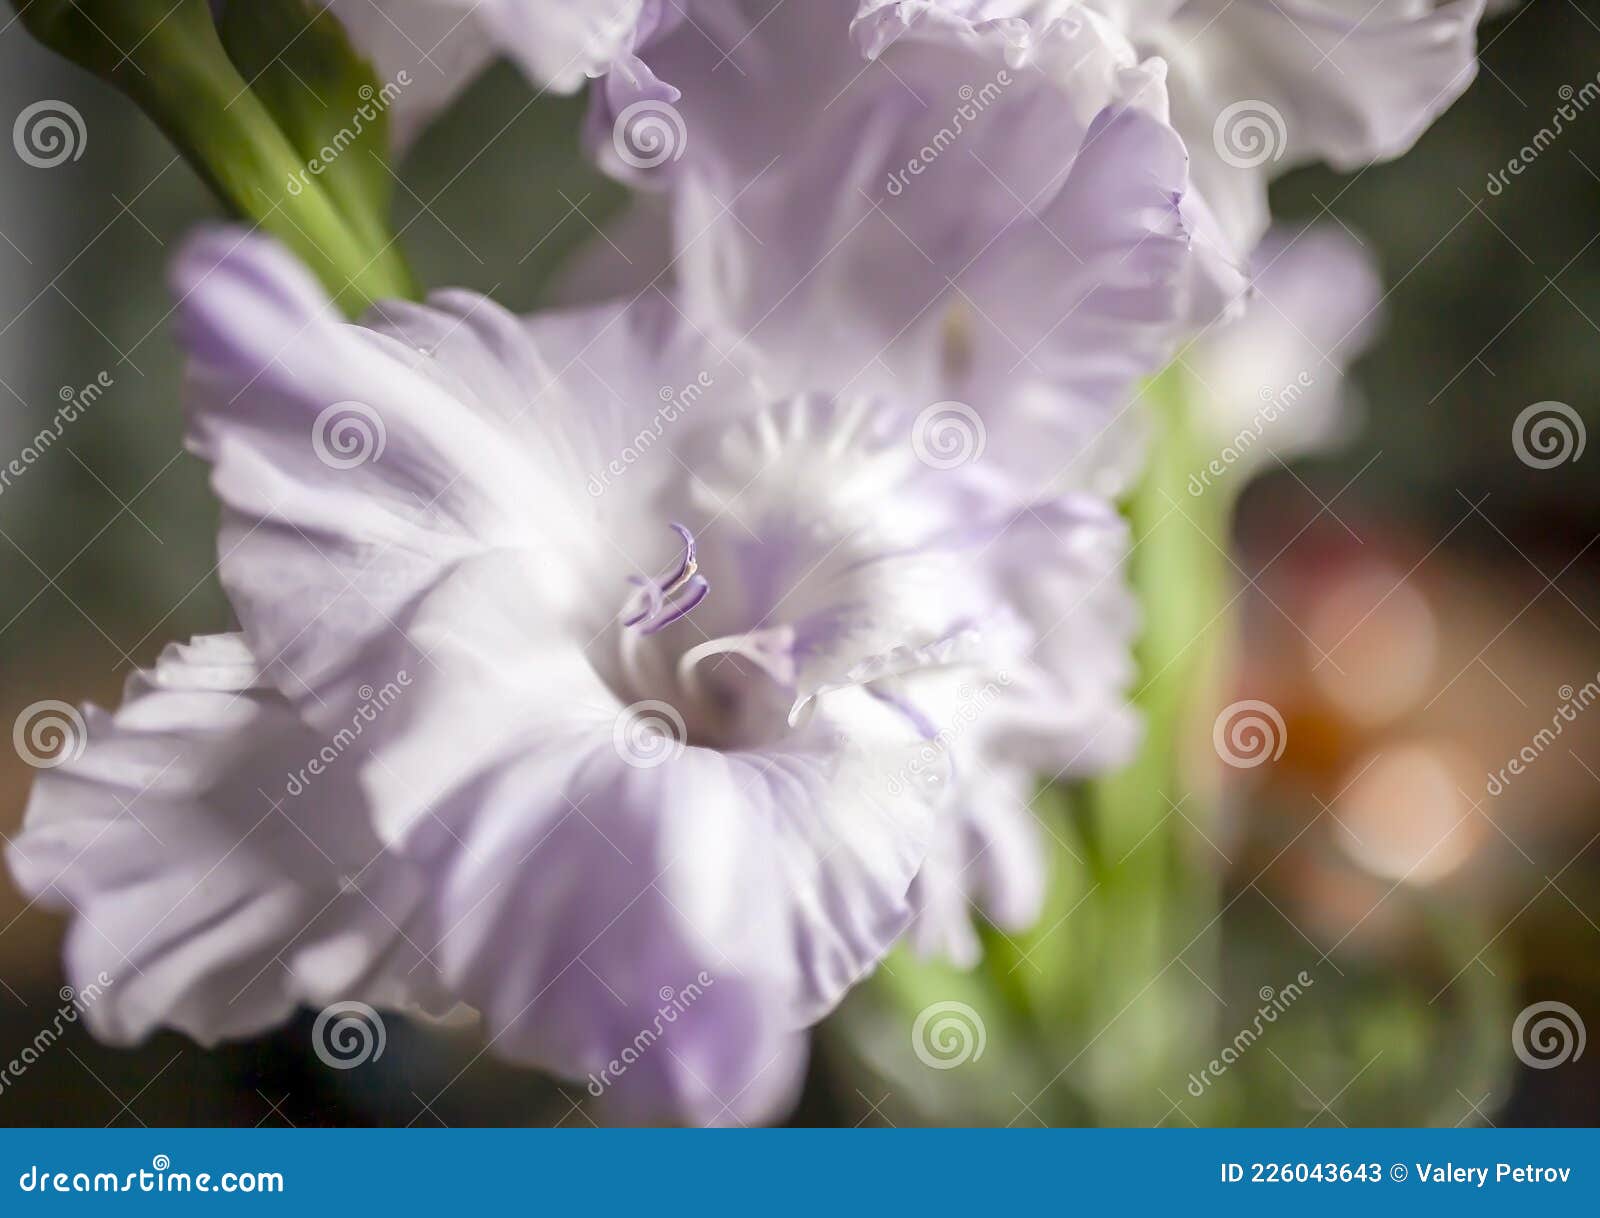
(586,881)
(216,861)
(1061,563)
(1260,86)
(939,207)
(442,45)
(986,853)
(357,465)
(564,43)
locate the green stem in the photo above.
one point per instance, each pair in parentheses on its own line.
(1177,569)
(1155,890)
(171,63)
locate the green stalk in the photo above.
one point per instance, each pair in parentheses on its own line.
(169,60)
(1112,1003)
(1177,571)
(1155,890)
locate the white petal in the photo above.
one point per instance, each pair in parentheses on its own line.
(577,892)
(1345,81)
(357,465)
(986,852)
(211,878)
(442,45)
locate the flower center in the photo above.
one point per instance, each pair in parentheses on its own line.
(731,691)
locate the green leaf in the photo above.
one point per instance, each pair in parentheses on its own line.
(167,57)
(325,98)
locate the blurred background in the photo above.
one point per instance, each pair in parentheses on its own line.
(1417,605)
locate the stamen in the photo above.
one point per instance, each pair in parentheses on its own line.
(652,598)
(659,608)
(687,567)
(698,588)
(771,650)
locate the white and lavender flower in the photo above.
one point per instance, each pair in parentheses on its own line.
(705,721)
